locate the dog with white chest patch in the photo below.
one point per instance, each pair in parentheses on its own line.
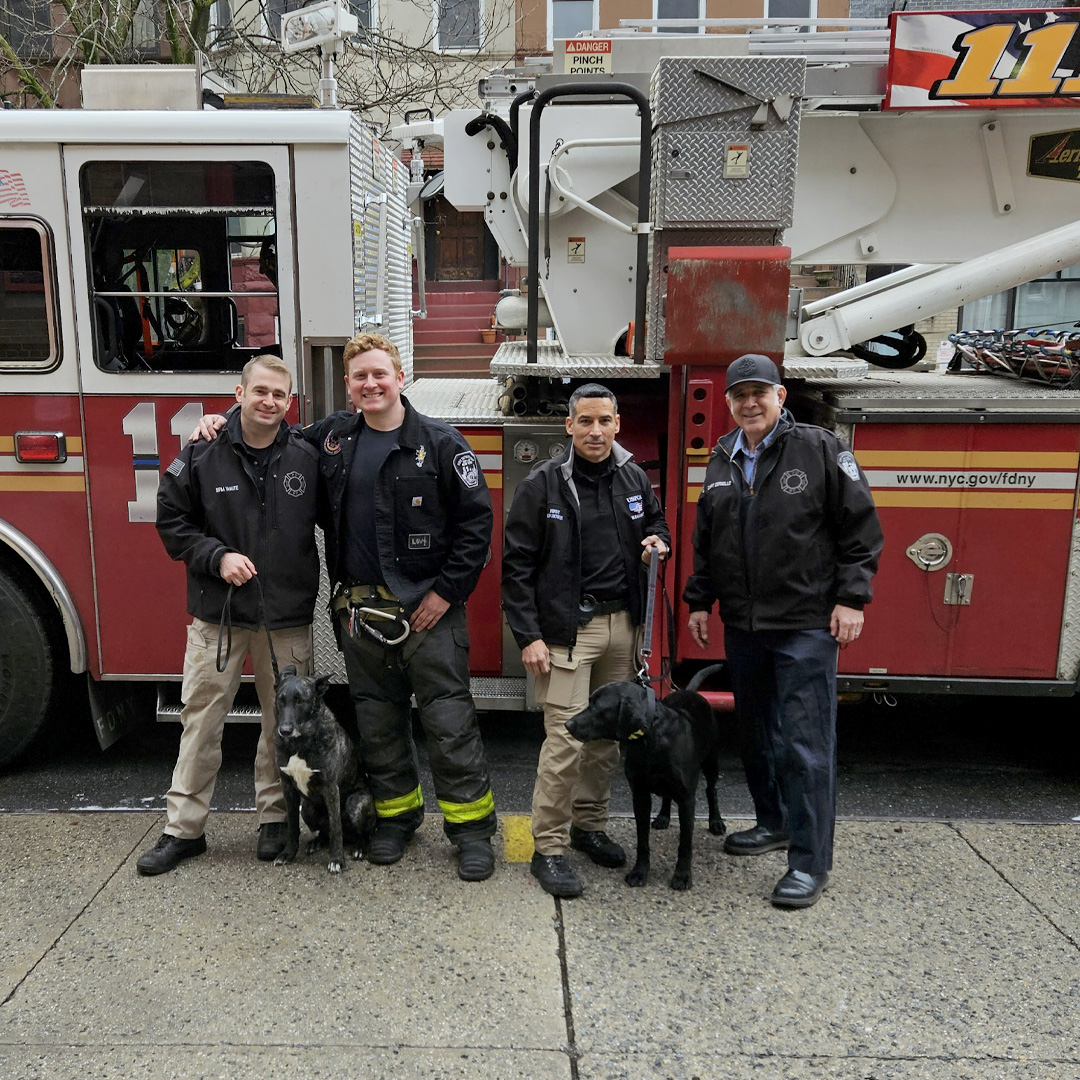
(319,772)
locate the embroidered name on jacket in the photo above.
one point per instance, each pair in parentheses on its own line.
(468,469)
(717,483)
(222,490)
(554,514)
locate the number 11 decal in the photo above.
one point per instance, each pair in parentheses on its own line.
(141,425)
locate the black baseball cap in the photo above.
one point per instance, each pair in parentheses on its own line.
(752,367)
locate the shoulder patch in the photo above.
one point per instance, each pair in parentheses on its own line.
(177,467)
(846,461)
(468,469)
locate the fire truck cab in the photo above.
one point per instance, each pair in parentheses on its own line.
(145,257)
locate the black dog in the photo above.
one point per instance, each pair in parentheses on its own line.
(664,754)
(319,773)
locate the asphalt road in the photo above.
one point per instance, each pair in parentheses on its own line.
(931,759)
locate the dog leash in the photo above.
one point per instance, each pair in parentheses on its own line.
(225,627)
(647,632)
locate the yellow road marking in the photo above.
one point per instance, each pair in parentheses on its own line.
(517,837)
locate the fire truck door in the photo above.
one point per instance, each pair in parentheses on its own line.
(183,271)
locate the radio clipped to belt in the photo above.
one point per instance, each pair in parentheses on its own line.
(350,598)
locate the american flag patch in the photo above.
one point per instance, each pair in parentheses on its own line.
(12,189)
(176,468)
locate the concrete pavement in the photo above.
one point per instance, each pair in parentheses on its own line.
(940,952)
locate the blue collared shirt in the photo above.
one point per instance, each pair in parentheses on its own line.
(748,464)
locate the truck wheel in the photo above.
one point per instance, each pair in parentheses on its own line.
(26,670)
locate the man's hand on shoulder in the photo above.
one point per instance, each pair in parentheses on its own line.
(699,628)
(207,428)
(536,658)
(845,624)
(651,542)
(235,568)
(430,610)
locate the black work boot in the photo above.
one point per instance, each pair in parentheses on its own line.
(271,840)
(556,875)
(388,841)
(598,846)
(476,858)
(167,852)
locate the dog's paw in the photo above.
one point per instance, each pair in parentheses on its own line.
(680,882)
(285,857)
(312,845)
(637,877)
(335,867)
(717,827)
(357,854)
(661,821)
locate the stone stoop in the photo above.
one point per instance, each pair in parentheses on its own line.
(448,342)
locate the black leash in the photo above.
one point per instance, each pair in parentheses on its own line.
(647,631)
(225,626)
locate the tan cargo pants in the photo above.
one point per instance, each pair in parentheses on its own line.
(207,696)
(573,779)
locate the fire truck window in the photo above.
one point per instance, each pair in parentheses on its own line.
(183,264)
(27,325)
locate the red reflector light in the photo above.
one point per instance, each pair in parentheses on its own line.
(40,446)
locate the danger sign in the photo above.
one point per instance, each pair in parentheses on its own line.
(588,57)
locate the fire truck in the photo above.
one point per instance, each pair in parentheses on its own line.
(146,256)
(654,206)
(655,198)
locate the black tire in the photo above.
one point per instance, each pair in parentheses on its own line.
(26,669)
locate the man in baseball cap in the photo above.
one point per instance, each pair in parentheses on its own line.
(787,541)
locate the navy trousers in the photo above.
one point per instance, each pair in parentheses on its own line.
(785,698)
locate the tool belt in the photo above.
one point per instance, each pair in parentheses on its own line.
(370,607)
(589,606)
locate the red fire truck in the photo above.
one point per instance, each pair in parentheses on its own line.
(145,257)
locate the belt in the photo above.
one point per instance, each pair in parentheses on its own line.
(589,606)
(353,594)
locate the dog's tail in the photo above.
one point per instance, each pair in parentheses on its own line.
(701,676)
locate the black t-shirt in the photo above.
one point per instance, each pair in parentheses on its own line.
(361,551)
(603,569)
(256,463)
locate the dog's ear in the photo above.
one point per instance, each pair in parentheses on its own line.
(287,672)
(630,717)
(322,684)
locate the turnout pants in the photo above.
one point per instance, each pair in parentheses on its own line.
(785,698)
(433,666)
(573,779)
(207,695)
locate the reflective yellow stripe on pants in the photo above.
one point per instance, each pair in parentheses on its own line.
(401,805)
(458,813)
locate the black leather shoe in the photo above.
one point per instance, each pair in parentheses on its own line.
(598,846)
(755,841)
(167,852)
(798,889)
(556,875)
(271,841)
(388,841)
(476,859)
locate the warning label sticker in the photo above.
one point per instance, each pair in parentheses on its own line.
(588,57)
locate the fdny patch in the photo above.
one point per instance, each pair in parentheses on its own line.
(331,445)
(635,504)
(846,461)
(295,484)
(176,468)
(554,514)
(419,541)
(793,481)
(468,469)
(421,455)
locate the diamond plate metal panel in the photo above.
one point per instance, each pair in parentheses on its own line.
(552,361)
(325,658)
(1068,666)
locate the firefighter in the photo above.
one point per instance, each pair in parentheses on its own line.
(240,512)
(787,540)
(572,592)
(407,518)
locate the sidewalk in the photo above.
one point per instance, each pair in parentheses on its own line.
(941,952)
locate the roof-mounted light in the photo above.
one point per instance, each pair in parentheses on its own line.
(327,23)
